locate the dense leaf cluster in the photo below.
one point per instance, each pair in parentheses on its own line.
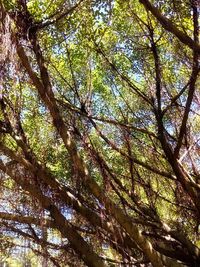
(99,132)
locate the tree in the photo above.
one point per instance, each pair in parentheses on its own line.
(99,131)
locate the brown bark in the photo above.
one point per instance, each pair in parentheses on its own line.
(170,26)
(77,242)
(47,96)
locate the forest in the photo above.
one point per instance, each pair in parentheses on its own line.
(99,133)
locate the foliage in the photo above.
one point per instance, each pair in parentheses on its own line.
(99,132)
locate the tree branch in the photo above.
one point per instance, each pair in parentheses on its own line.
(169,26)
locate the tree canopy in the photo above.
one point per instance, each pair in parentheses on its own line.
(99,132)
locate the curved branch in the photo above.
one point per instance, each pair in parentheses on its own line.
(169,26)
